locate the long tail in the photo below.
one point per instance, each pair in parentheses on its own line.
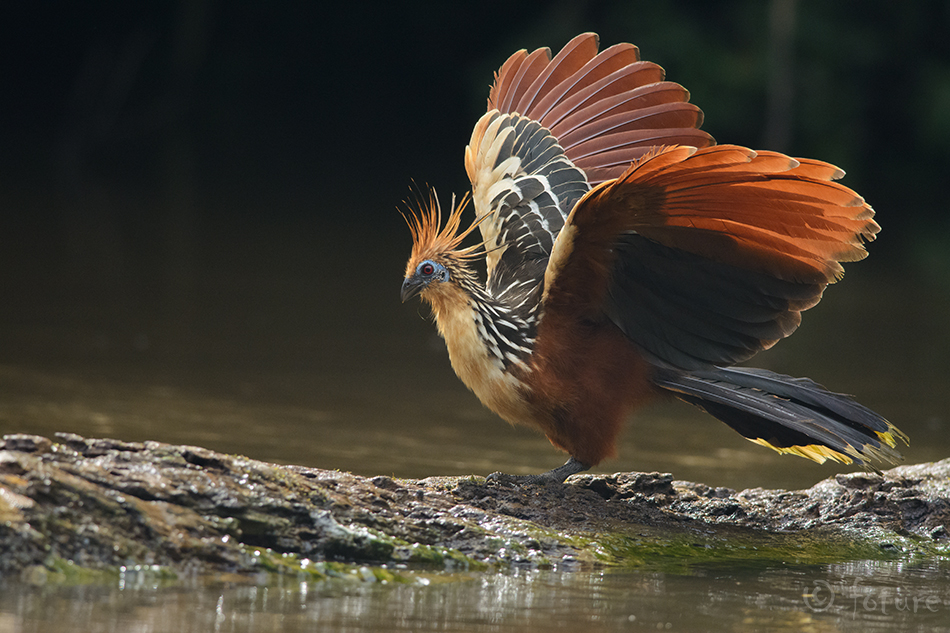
(789,415)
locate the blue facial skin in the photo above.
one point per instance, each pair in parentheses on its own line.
(426,272)
(430,270)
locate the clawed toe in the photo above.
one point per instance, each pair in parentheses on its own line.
(518,480)
(556,475)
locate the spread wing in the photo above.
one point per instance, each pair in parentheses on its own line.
(705,257)
(554,127)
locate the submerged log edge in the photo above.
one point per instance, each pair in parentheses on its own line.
(108,505)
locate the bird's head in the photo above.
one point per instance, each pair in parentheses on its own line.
(438,262)
(419,278)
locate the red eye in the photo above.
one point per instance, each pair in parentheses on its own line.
(427,269)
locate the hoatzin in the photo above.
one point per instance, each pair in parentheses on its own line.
(629,256)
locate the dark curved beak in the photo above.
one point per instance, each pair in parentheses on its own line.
(411,286)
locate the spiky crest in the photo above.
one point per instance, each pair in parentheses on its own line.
(432,240)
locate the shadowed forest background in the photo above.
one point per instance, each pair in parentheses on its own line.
(202,192)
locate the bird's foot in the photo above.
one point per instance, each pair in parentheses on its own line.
(555,475)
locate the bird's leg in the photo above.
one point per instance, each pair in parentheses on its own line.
(559,474)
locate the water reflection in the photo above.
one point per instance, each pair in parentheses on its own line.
(864,596)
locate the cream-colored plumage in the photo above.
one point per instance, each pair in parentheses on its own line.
(481,371)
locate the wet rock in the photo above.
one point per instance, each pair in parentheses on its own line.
(106,504)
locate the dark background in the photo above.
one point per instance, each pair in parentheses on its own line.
(206,180)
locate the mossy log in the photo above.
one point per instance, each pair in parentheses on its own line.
(101,505)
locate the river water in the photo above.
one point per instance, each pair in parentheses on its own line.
(306,361)
(854,596)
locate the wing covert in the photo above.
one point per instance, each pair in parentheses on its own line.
(524,183)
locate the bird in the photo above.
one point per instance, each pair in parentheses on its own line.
(623,257)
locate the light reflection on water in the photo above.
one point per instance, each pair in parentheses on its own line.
(844,597)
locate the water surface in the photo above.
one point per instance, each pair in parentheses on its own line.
(860,597)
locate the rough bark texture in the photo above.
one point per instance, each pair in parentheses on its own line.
(104,504)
